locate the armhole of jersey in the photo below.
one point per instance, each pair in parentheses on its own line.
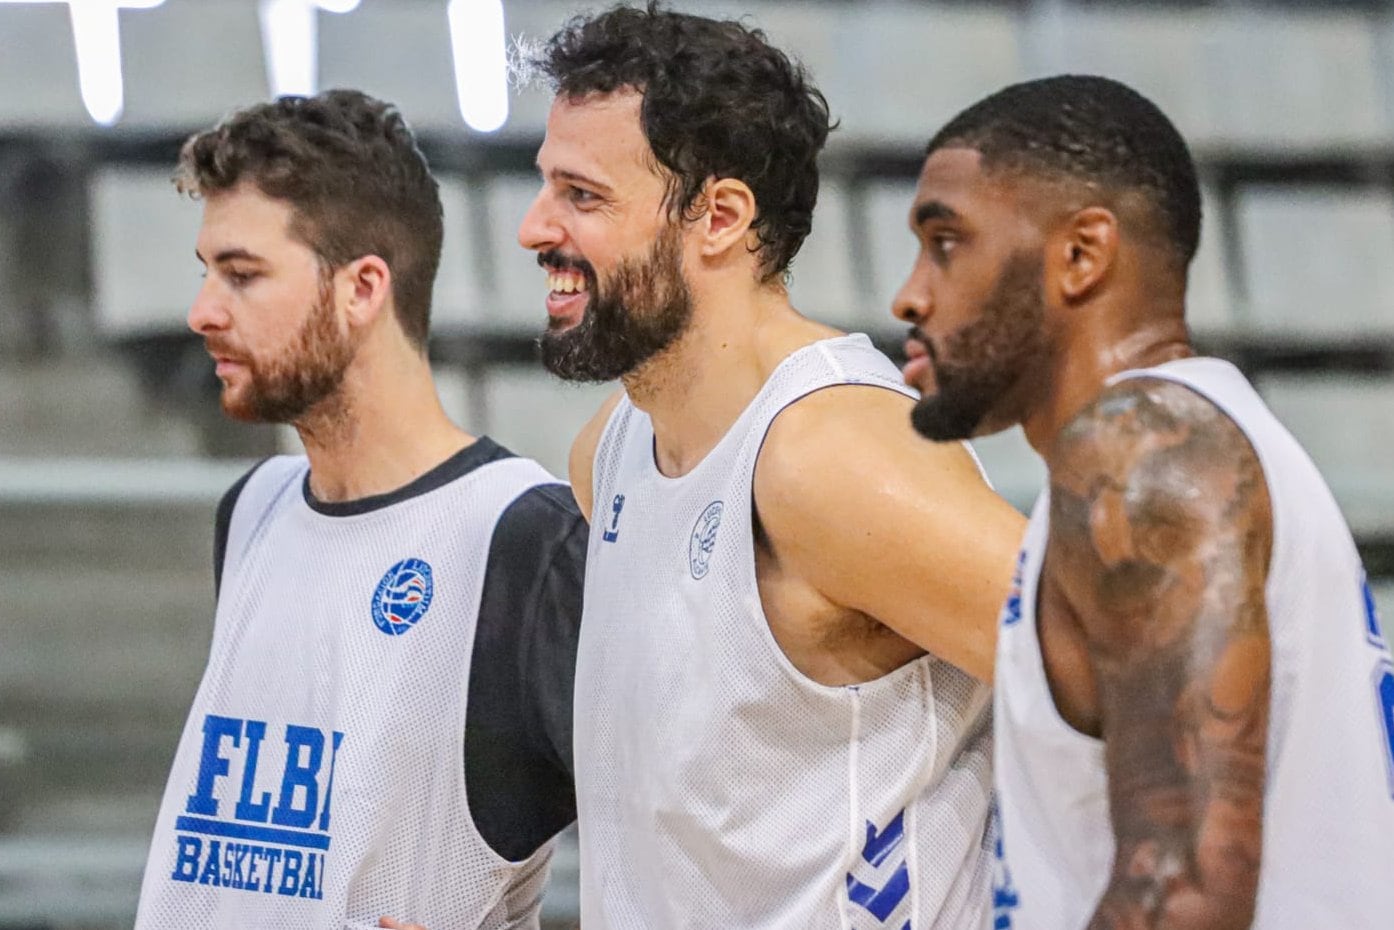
(602,447)
(769,425)
(222,525)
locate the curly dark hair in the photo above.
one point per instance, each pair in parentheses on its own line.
(1092,130)
(350,168)
(718,102)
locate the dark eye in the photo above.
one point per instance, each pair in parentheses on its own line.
(942,244)
(581,196)
(240,278)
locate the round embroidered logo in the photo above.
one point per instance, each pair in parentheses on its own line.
(699,548)
(402,596)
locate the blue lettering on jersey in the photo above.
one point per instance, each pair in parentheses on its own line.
(880,882)
(1383,680)
(274,850)
(613,533)
(403,596)
(1011,609)
(1373,634)
(1005,898)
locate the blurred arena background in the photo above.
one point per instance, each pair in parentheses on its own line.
(113,452)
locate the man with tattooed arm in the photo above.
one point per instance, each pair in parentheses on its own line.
(1194,699)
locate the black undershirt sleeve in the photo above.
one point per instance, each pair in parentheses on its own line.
(518,762)
(222,521)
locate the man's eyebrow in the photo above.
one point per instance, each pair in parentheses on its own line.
(564,174)
(933,210)
(230,254)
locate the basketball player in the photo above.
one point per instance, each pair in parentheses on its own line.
(1193,695)
(384,726)
(781,719)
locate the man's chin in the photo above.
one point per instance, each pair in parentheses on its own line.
(234,409)
(935,420)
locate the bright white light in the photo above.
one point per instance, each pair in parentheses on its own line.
(290,33)
(97,42)
(478,43)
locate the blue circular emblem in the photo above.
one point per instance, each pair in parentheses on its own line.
(699,548)
(402,596)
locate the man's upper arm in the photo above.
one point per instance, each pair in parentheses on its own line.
(518,762)
(581,463)
(1161,532)
(881,521)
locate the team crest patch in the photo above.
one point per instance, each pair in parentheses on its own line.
(402,596)
(699,548)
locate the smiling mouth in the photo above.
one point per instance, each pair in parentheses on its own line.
(563,282)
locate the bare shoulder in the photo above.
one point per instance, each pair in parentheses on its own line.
(581,462)
(824,440)
(1132,422)
(879,520)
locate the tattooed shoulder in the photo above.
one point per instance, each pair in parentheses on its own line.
(1161,531)
(1150,484)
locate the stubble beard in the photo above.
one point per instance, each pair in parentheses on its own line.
(977,367)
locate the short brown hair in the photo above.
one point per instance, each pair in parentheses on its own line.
(350,168)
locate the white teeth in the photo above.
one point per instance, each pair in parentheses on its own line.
(566,283)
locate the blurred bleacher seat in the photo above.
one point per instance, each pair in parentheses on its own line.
(519,288)
(369,48)
(1298,82)
(1209,301)
(891,247)
(824,281)
(904,71)
(536,415)
(1012,466)
(38,69)
(1317,261)
(143,242)
(460,298)
(168,48)
(1346,424)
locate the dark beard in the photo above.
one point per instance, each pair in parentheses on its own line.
(977,366)
(285,388)
(642,309)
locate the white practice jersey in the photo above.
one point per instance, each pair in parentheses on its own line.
(717,786)
(1328,824)
(319,781)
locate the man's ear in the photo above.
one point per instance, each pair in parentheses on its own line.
(730,211)
(1081,253)
(365,288)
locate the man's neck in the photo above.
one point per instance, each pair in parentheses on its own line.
(1091,356)
(695,390)
(381,431)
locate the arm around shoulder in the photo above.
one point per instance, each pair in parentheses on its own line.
(882,521)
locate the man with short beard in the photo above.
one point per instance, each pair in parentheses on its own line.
(384,726)
(780,691)
(1194,699)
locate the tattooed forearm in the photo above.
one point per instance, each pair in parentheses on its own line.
(1161,531)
